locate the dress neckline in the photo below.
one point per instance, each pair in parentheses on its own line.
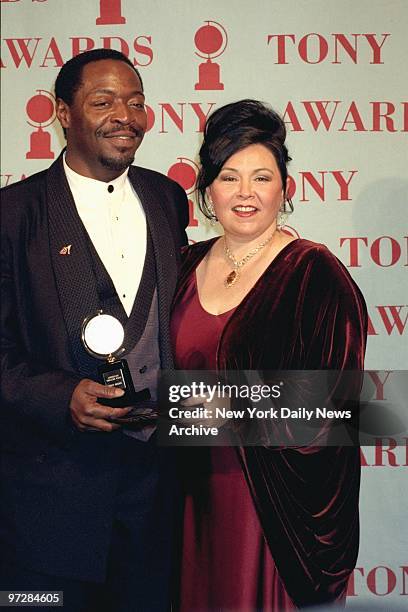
(220,314)
(210,314)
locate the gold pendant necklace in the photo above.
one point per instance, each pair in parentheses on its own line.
(233,276)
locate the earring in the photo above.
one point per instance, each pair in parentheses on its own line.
(211,210)
(281,218)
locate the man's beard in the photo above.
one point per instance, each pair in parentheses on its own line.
(119,164)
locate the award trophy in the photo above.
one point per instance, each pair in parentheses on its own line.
(102,336)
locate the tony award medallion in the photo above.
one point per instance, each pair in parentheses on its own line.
(102,336)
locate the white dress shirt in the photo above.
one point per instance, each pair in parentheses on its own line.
(116,223)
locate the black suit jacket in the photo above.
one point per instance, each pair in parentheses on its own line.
(53,475)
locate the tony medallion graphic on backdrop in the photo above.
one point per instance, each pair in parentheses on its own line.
(41,112)
(184,172)
(211,41)
(110,13)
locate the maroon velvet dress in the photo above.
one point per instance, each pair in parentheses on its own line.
(226,563)
(304,313)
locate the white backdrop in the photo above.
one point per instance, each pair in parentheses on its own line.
(336,71)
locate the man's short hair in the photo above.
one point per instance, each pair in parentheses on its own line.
(69,78)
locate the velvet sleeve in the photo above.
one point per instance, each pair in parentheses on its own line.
(307,497)
(334,317)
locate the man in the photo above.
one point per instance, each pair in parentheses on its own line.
(87,505)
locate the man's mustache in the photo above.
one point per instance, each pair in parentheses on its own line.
(121,128)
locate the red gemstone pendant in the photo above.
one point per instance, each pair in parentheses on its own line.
(231,278)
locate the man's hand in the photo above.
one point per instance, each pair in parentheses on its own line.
(87,414)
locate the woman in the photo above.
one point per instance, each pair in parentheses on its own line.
(265,528)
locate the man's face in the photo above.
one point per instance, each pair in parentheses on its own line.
(106,121)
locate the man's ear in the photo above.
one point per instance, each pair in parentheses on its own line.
(63,113)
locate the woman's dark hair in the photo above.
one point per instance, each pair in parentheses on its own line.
(234,127)
(69,78)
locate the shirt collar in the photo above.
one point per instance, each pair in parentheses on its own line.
(78,182)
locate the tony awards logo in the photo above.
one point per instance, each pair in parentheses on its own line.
(184,172)
(110,13)
(41,110)
(211,41)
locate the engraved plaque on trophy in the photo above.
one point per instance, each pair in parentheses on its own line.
(102,336)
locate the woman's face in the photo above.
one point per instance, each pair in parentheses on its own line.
(248,193)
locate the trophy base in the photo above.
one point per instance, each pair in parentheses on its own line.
(117,374)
